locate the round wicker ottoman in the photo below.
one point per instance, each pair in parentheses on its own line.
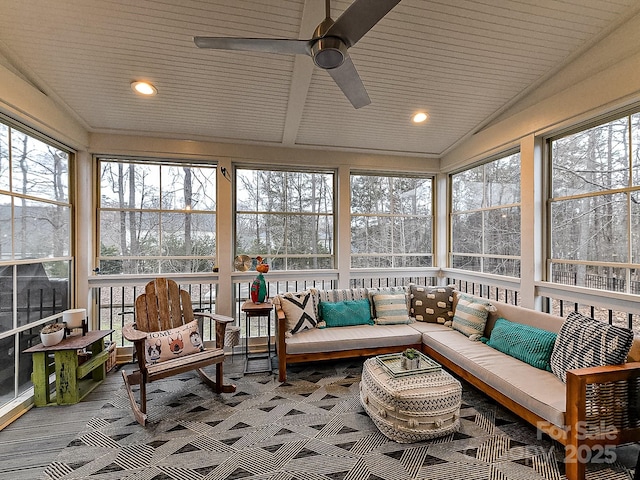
(410,408)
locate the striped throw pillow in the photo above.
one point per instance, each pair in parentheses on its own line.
(470,315)
(391,308)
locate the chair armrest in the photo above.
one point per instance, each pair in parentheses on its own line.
(221,325)
(131,334)
(214,316)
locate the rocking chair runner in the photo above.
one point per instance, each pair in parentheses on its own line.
(164,306)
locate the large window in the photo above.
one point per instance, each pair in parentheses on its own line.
(391,221)
(286,217)
(156,217)
(485,217)
(595,207)
(35,248)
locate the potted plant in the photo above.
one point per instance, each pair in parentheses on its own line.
(52,334)
(410,359)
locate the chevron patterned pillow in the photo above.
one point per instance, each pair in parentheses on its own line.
(585,342)
(299,310)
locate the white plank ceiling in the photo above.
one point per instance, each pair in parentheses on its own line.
(460,60)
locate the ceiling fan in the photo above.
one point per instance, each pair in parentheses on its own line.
(328,46)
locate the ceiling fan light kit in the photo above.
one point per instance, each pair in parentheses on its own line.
(328,47)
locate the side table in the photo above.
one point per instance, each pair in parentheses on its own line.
(257,363)
(70,385)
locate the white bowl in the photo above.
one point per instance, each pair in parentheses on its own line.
(51,339)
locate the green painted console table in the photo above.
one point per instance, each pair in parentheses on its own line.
(71,386)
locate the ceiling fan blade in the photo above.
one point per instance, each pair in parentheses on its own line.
(269,45)
(359,18)
(347,78)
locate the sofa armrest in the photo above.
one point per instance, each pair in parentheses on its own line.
(281,345)
(603,402)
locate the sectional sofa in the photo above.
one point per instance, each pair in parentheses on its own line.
(588,410)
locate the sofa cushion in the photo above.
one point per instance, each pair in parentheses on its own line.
(300,311)
(173,343)
(537,390)
(470,315)
(586,342)
(529,344)
(390,309)
(345,313)
(322,340)
(431,304)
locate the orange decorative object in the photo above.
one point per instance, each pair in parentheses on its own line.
(262,267)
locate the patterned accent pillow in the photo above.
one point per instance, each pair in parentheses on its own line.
(176,342)
(391,309)
(470,316)
(299,310)
(345,314)
(524,342)
(388,291)
(585,342)
(431,304)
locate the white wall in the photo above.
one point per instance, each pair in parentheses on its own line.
(25,103)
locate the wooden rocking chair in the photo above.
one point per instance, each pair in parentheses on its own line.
(164,306)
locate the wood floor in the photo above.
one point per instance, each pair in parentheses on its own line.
(33,441)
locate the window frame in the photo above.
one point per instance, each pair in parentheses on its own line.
(484,255)
(393,255)
(20,335)
(627,190)
(272,258)
(159,258)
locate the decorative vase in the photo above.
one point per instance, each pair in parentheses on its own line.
(258,289)
(74,318)
(410,363)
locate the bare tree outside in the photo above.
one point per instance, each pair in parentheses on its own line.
(485,218)
(595,195)
(35,247)
(156,217)
(286,217)
(391,221)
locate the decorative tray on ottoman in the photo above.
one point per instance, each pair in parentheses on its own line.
(392,363)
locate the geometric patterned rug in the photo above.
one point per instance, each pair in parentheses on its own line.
(311,427)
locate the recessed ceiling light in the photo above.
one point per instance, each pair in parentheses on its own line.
(419,117)
(144,88)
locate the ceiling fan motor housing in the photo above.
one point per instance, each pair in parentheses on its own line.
(329,52)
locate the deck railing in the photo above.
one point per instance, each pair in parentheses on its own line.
(114,296)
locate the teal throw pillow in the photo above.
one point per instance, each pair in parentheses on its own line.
(529,344)
(345,314)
